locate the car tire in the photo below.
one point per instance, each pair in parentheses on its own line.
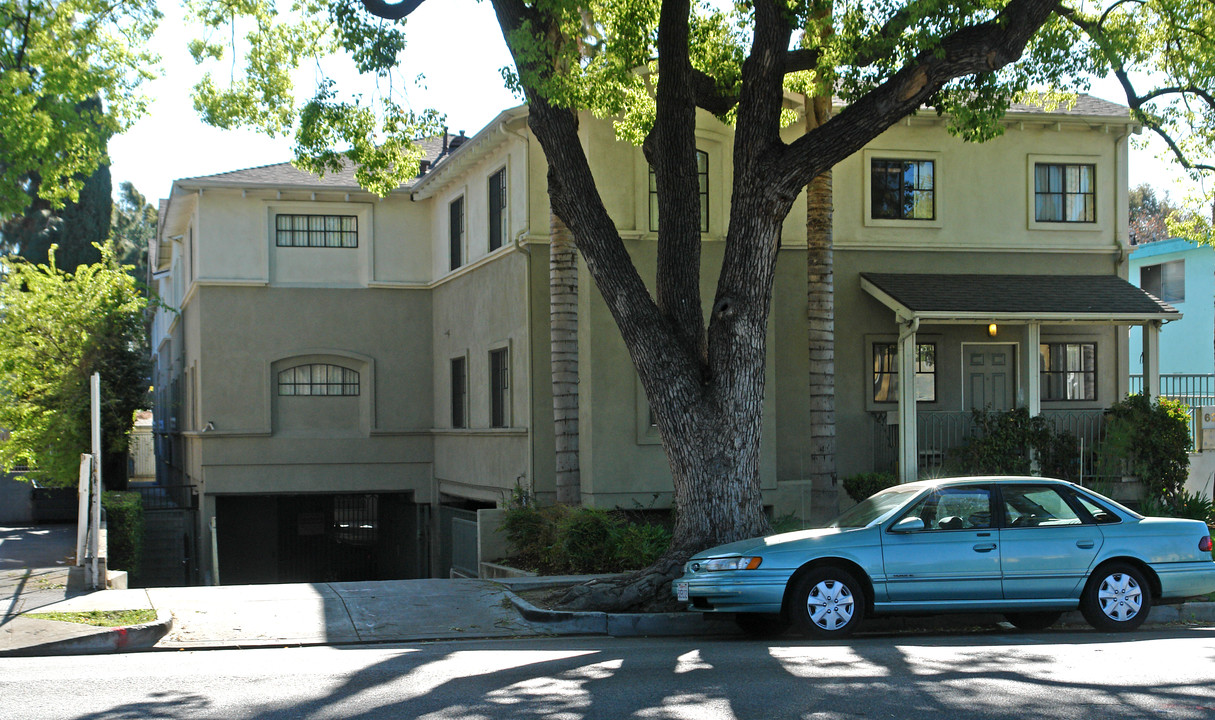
(1033,621)
(1117,598)
(761,625)
(827,602)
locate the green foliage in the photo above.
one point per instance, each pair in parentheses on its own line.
(559,539)
(862,485)
(76,229)
(124,530)
(1149,440)
(132,227)
(1194,506)
(59,328)
(55,58)
(1003,444)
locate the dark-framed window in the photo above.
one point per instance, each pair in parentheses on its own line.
(886,372)
(316,231)
(1068,371)
(902,189)
(1065,192)
(497,209)
(499,388)
(456,232)
(318,379)
(1166,280)
(702,178)
(459,393)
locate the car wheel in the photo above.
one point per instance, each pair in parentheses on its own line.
(827,602)
(1032,621)
(1117,598)
(761,625)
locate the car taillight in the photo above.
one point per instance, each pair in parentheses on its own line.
(1205,544)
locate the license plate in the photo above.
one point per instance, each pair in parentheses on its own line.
(681,591)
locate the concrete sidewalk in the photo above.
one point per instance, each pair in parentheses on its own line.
(391,611)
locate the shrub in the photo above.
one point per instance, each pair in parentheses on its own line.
(861,486)
(1005,444)
(1151,441)
(558,539)
(124,530)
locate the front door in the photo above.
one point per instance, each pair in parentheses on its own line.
(990,376)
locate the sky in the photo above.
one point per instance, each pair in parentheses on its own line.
(455,44)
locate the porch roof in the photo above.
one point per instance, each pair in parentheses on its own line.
(945,298)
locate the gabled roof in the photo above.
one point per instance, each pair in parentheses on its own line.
(1085,105)
(285,175)
(1021,298)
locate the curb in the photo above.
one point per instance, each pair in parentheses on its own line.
(568,622)
(104,640)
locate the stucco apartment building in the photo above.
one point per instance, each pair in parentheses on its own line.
(346,379)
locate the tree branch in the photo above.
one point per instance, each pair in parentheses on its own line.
(977,49)
(391,11)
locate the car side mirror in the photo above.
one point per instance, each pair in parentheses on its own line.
(908,525)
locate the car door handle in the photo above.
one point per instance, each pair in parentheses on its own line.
(1085,544)
(985,547)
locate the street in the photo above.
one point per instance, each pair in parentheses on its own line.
(983,674)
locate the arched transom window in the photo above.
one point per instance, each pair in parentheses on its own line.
(318,379)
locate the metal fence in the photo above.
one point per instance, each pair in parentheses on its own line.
(938,434)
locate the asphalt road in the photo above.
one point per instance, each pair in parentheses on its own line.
(1075,674)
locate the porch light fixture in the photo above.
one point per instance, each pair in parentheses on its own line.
(992,329)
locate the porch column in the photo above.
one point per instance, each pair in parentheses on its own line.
(909,469)
(1033,375)
(1151,358)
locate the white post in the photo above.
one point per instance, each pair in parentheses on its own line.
(95,549)
(214,554)
(1033,374)
(82,507)
(909,456)
(1151,359)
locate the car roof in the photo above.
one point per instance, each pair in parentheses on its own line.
(971,480)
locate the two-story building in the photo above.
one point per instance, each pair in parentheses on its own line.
(346,378)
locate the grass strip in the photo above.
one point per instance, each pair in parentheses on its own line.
(101,618)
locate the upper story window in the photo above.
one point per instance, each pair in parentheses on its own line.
(1065,193)
(497,209)
(456,232)
(1166,281)
(886,372)
(499,388)
(459,393)
(902,189)
(326,231)
(702,178)
(1068,371)
(318,379)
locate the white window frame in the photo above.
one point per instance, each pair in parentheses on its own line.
(938,197)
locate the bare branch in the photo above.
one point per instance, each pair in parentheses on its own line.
(391,11)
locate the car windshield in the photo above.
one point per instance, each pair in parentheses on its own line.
(875,508)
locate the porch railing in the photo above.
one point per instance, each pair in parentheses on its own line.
(938,433)
(1194,390)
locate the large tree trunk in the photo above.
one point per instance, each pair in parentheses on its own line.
(563,327)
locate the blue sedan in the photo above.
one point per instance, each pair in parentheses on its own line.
(1030,548)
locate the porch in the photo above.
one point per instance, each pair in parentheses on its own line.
(1033,315)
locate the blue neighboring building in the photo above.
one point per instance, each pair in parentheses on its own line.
(1182,274)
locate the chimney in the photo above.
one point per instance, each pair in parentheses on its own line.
(458,141)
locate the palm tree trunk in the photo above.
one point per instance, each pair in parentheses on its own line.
(563,324)
(820,292)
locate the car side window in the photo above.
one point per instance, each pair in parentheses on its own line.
(1102,515)
(954,508)
(1037,506)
